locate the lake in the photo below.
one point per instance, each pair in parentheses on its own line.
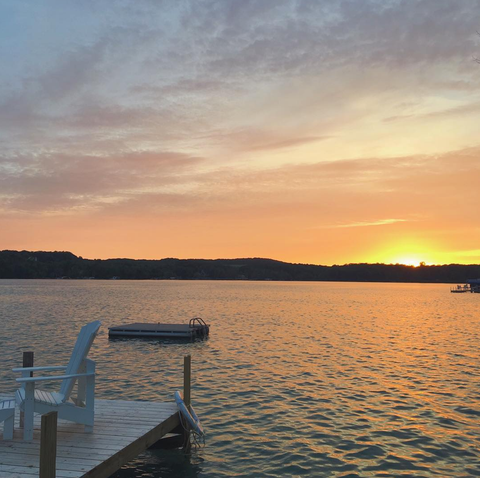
(296,379)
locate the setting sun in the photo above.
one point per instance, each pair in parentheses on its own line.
(407,261)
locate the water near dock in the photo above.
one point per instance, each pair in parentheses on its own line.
(296,379)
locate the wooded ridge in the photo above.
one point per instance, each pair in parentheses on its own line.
(65,265)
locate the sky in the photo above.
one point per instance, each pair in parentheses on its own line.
(312,131)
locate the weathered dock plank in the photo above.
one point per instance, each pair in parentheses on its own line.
(123,430)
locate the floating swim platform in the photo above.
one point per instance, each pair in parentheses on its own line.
(196,328)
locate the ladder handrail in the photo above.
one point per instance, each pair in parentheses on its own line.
(200,321)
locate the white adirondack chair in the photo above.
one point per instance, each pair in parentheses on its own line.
(7,415)
(78,409)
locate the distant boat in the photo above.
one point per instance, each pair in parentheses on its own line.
(472,285)
(460,289)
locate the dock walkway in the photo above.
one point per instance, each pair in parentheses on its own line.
(123,430)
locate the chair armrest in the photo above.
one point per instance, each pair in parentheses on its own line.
(37,369)
(54,377)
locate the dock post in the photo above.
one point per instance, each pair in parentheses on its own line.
(187,380)
(27,361)
(48,445)
(187,385)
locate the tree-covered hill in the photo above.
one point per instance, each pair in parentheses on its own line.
(53,265)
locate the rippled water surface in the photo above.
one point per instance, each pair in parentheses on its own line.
(296,379)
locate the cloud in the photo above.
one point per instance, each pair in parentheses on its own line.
(302,37)
(261,139)
(38,98)
(55,182)
(289,71)
(374,185)
(379,222)
(340,114)
(465,109)
(287,143)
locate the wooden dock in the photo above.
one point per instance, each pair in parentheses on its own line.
(123,430)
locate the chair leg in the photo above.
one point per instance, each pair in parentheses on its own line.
(29,410)
(8,427)
(90,394)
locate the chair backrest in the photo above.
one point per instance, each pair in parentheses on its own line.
(80,351)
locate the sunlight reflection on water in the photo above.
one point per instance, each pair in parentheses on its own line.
(296,379)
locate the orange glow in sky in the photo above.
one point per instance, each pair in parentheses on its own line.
(307,132)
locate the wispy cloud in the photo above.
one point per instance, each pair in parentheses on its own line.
(380,222)
(57,182)
(464,109)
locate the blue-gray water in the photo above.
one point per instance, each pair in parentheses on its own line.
(296,379)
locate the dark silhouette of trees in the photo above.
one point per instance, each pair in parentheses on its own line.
(54,265)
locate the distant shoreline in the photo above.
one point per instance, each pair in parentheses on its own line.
(67,266)
(231,280)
